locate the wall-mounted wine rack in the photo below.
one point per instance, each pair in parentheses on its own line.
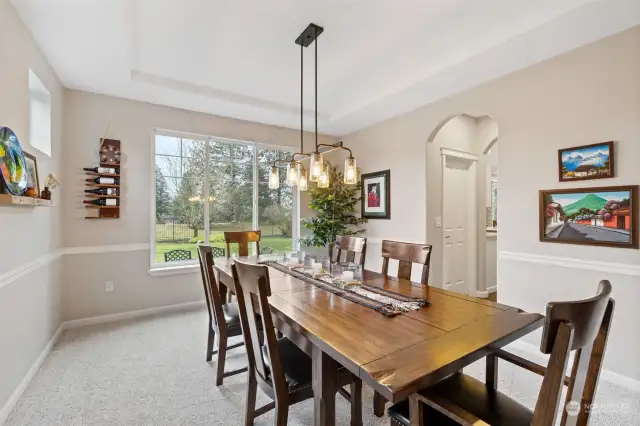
(106,196)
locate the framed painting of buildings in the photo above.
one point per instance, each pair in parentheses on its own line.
(606,216)
(586,162)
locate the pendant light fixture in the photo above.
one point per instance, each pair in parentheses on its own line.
(323,179)
(319,169)
(350,171)
(302,182)
(293,173)
(274,178)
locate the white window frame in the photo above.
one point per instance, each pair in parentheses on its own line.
(191,266)
(39,115)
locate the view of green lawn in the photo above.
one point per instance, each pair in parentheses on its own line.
(271,238)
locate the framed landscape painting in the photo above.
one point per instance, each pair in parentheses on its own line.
(586,162)
(376,195)
(606,216)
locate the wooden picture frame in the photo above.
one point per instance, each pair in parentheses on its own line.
(586,162)
(375,191)
(32,162)
(604,216)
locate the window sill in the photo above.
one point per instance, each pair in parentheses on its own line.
(173,270)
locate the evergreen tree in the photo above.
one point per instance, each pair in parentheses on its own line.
(230,171)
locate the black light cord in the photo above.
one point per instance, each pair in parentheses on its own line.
(301,97)
(315,30)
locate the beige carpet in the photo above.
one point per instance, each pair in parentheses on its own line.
(152,371)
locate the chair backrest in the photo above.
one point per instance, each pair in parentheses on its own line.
(582,326)
(177,255)
(211,288)
(346,248)
(407,254)
(242,238)
(252,290)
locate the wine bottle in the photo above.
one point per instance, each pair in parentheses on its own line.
(103,202)
(105,181)
(105,170)
(102,191)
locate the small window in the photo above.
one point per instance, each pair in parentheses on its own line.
(39,115)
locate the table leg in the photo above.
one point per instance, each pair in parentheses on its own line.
(324,388)
(492,372)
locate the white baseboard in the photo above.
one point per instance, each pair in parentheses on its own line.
(608,376)
(17,393)
(485,294)
(131,314)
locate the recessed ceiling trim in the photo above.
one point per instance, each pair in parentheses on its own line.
(223,95)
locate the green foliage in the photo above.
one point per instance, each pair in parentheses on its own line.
(163,198)
(280,217)
(213,238)
(230,171)
(335,211)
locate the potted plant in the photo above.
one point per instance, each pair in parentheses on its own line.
(335,209)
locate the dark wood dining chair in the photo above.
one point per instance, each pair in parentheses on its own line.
(406,254)
(349,249)
(580,326)
(242,238)
(224,318)
(281,369)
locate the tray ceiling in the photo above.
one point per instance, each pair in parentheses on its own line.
(377,58)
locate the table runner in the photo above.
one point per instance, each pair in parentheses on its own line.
(388,303)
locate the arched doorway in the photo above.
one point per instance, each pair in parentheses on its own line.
(462,203)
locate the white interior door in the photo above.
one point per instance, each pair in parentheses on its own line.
(458,202)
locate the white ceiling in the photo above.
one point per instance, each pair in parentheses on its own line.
(377,58)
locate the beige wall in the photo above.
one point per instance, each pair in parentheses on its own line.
(29,237)
(87,116)
(585,96)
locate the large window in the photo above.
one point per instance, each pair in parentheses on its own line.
(205,186)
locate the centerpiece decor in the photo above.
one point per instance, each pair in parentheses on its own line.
(386,302)
(335,208)
(318,168)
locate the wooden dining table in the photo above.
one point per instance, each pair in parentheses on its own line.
(395,356)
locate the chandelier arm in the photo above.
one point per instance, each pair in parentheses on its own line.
(334,147)
(278,163)
(302,154)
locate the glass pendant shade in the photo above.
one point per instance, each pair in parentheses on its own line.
(350,171)
(274,178)
(316,166)
(302,182)
(293,173)
(323,179)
